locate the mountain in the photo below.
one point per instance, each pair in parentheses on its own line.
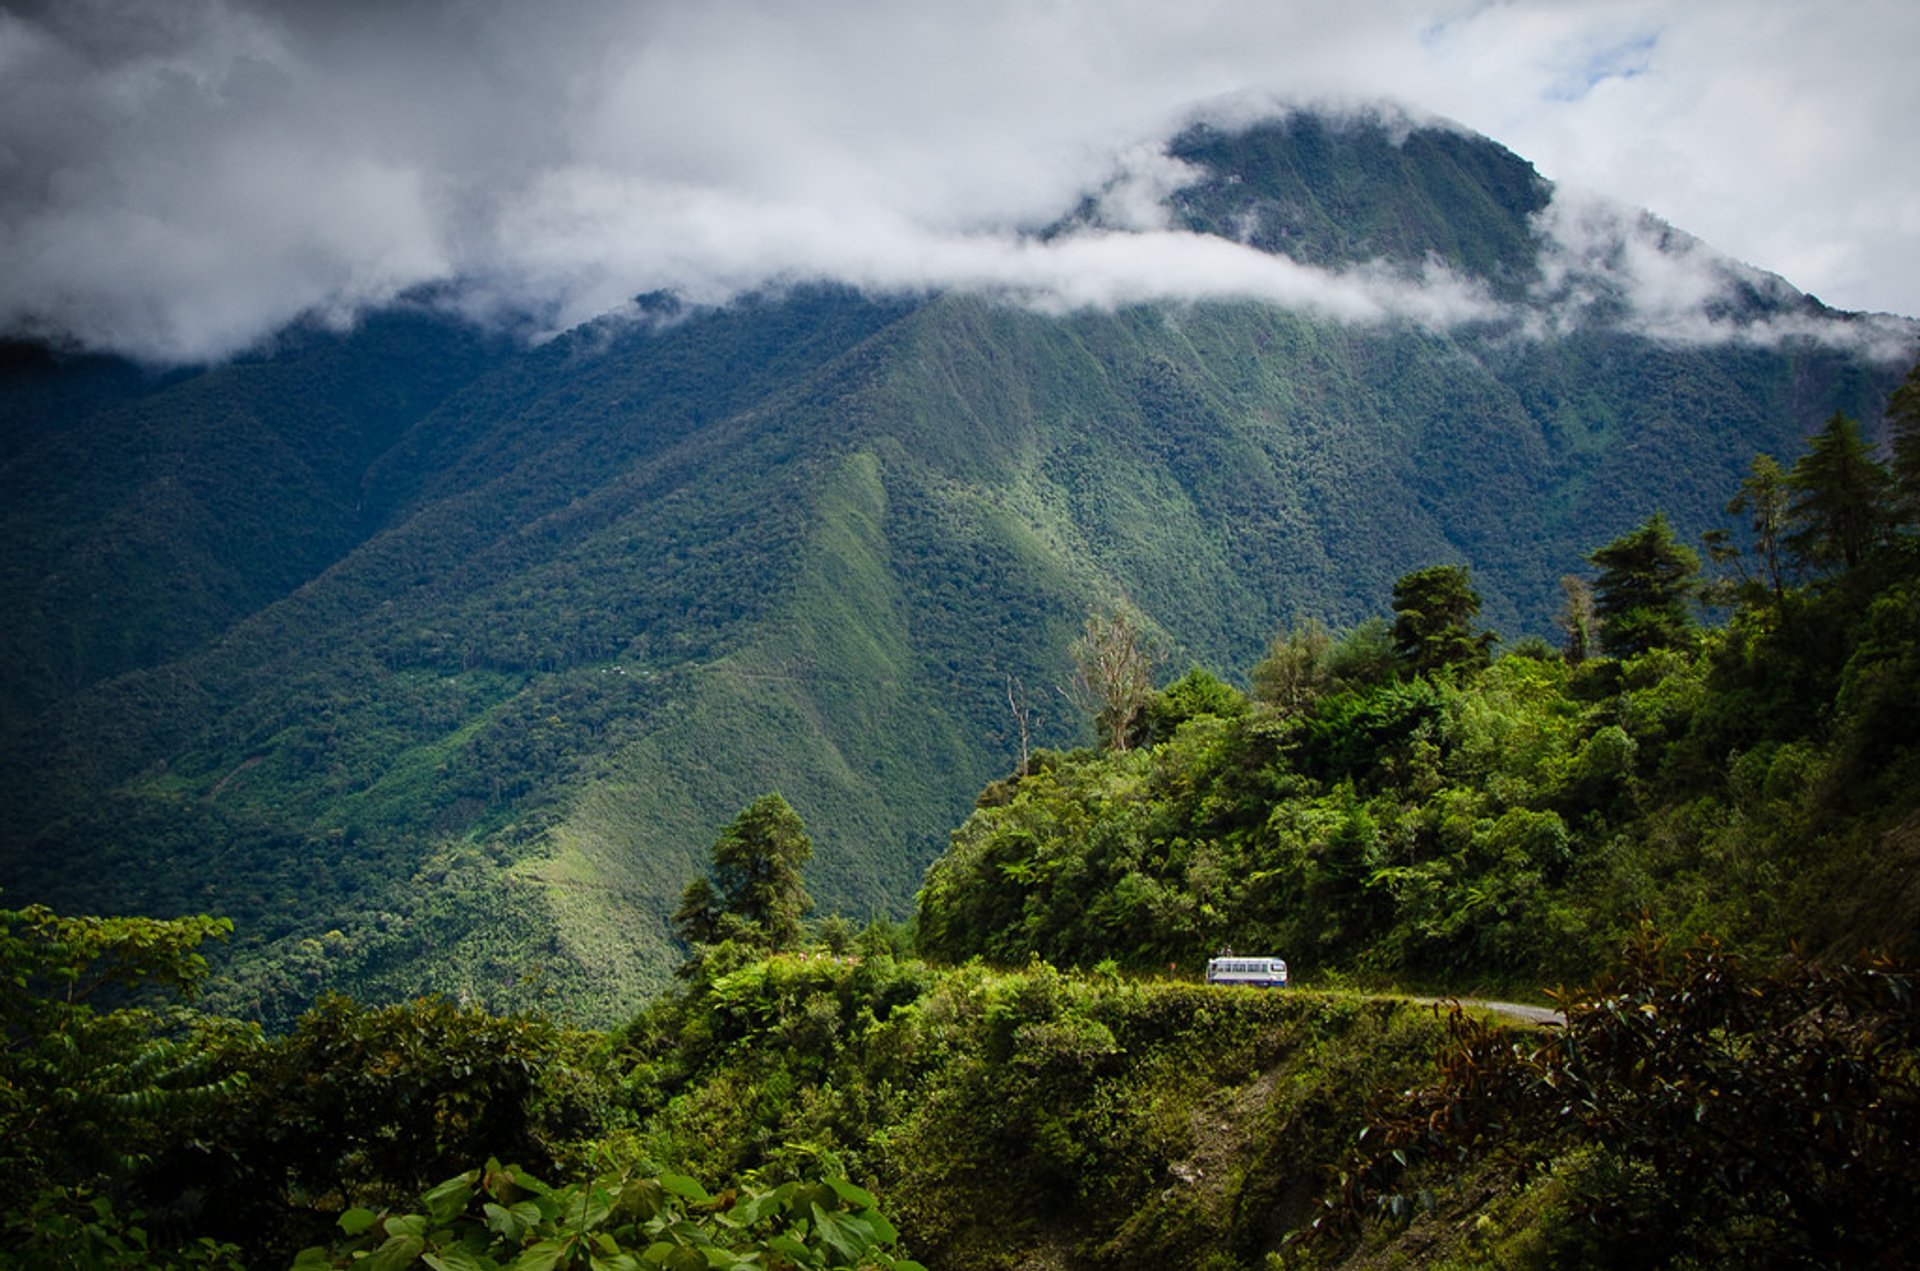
(437,662)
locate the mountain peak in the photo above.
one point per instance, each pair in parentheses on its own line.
(1340,190)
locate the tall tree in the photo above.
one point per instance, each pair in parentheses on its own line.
(1113,673)
(1646,581)
(1763,499)
(1433,610)
(1577,618)
(1295,673)
(1843,497)
(756,892)
(1903,433)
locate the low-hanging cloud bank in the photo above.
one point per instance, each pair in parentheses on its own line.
(177,181)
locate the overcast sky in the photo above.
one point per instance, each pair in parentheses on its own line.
(180,177)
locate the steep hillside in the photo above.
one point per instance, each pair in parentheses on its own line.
(146,513)
(488,646)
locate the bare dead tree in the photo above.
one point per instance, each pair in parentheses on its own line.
(1022,718)
(1113,672)
(1577,618)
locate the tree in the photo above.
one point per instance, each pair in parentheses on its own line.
(1763,499)
(1903,432)
(88,1095)
(697,920)
(1198,692)
(1022,719)
(1646,579)
(1434,609)
(1577,618)
(756,892)
(1844,496)
(1113,673)
(1295,673)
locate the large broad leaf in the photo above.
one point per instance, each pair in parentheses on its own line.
(512,1221)
(850,1237)
(754,1206)
(681,1185)
(407,1225)
(396,1254)
(795,1250)
(544,1256)
(449,1200)
(852,1194)
(588,1208)
(457,1259)
(640,1199)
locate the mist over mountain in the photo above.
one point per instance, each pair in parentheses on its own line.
(436,658)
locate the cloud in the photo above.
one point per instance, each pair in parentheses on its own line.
(1602,263)
(177,180)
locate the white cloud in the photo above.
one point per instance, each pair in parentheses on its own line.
(176,180)
(1603,262)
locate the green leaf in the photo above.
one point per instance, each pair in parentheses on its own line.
(588,1208)
(521,1178)
(849,1236)
(750,1209)
(884,1232)
(357,1220)
(544,1256)
(640,1199)
(407,1225)
(447,1201)
(794,1249)
(853,1195)
(681,1185)
(683,1259)
(456,1259)
(396,1254)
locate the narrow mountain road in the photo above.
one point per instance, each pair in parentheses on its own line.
(1517,1010)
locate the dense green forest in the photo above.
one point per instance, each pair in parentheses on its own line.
(1708,828)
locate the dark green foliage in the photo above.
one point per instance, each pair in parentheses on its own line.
(1734,1115)
(1009,1116)
(67,1229)
(369,1105)
(1198,692)
(1433,614)
(1645,587)
(90,1082)
(1903,436)
(757,894)
(1840,511)
(142,523)
(503,1216)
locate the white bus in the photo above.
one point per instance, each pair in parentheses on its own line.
(1267,973)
